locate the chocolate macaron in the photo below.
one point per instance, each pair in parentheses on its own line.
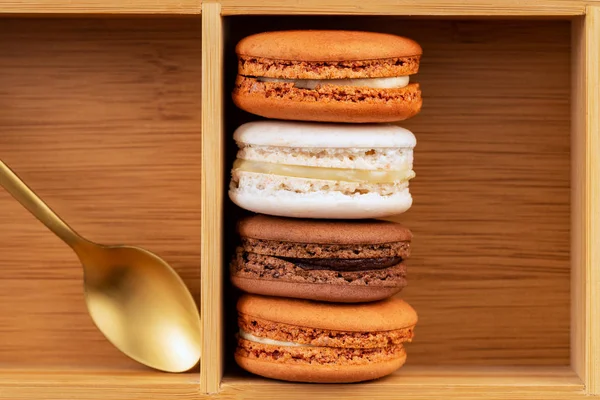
(306,341)
(344,261)
(328,76)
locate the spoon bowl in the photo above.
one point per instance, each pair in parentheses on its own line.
(136,300)
(134,297)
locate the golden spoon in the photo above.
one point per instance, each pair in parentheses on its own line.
(136,300)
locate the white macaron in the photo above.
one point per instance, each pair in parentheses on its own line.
(313,170)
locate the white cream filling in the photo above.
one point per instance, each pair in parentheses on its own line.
(387,159)
(375,83)
(252,338)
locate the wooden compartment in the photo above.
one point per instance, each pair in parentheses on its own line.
(489,271)
(102,118)
(123,124)
(501,199)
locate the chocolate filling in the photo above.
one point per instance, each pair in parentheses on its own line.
(344,265)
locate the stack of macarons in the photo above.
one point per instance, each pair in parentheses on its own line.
(318,267)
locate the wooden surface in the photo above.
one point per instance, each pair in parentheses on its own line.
(168,7)
(97,384)
(403,7)
(412,383)
(407,7)
(578,194)
(592,209)
(421,383)
(213,179)
(490,270)
(101,114)
(102,119)
(585,339)
(489,274)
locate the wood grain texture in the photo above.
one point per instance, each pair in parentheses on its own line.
(490,269)
(412,383)
(230,7)
(100,7)
(592,207)
(585,340)
(102,119)
(424,383)
(213,179)
(97,385)
(578,185)
(408,7)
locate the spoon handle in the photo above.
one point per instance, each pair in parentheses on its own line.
(27,197)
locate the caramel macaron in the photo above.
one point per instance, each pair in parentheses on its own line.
(306,341)
(334,261)
(328,76)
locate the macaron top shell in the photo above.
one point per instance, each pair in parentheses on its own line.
(325,45)
(315,135)
(387,315)
(366,231)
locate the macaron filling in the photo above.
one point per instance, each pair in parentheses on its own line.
(375,83)
(248,336)
(357,156)
(317,337)
(334,174)
(254,267)
(341,264)
(313,356)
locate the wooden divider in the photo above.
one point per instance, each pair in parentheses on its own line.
(585,177)
(211,368)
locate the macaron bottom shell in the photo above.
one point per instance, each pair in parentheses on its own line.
(327,104)
(314,373)
(322,204)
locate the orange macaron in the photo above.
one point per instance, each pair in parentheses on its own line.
(328,76)
(307,341)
